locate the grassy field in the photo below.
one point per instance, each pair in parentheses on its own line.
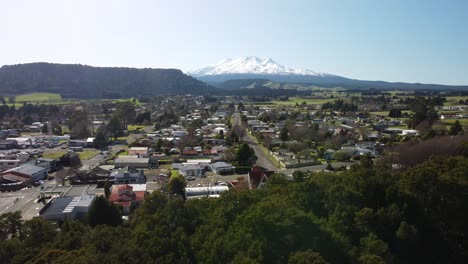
(84,155)
(38,98)
(135,127)
(380,113)
(54,154)
(454,100)
(88,154)
(448,123)
(175,173)
(137,102)
(56,99)
(293,100)
(123,153)
(385,113)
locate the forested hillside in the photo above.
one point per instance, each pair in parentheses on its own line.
(80,81)
(364,215)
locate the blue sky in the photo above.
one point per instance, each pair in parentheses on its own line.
(412,41)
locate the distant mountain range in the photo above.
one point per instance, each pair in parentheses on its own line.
(81,81)
(253,68)
(230,77)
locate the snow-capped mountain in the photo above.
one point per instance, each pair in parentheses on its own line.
(251,65)
(247,72)
(256,68)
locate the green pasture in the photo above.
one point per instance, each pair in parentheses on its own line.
(38,98)
(454,100)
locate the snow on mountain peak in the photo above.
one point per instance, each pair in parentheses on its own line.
(250,65)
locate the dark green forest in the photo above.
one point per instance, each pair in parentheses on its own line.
(367,214)
(81,81)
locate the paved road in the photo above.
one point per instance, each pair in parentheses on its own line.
(92,162)
(263,160)
(317,168)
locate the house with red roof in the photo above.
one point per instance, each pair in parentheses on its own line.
(129,196)
(258,177)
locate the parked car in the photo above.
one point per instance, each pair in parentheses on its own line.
(190,178)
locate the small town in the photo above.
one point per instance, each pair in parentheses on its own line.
(234,132)
(54,165)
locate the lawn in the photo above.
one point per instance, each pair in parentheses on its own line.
(84,155)
(123,153)
(175,173)
(463,121)
(293,100)
(137,102)
(319,100)
(54,154)
(448,123)
(380,113)
(38,97)
(385,113)
(87,154)
(135,127)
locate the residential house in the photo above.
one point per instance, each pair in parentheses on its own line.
(128,196)
(222,168)
(139,151)
(90,142)
(258,177)
(128,175)
(191,170)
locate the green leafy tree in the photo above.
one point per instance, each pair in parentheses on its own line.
(366,161)
(45,129)
(100,140)
(102,212)
(299,176)
(10,224)
(395,113)
(284,134)
(125,111)
(306,257)
(115,127)
(107,189)
(176,185)
(456,128)
(245,155)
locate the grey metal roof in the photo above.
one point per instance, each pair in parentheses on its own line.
(126,173)
(57,206)
(132,160)
(191,167)
(221,164)
(28,169)
(7,141)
